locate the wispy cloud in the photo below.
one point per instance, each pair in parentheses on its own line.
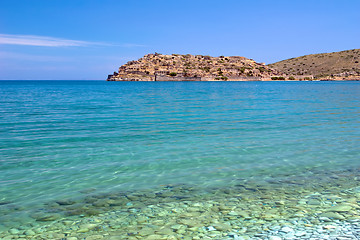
(44,41)
(31,40)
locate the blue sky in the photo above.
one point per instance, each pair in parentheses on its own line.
(88,39)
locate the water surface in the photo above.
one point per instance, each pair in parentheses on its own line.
(60,139)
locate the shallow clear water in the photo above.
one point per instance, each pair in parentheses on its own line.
(61,138)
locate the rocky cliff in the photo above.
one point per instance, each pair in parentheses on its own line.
(176,67)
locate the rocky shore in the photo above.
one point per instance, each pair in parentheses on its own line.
(317,206)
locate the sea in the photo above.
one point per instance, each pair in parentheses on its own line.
(63,142)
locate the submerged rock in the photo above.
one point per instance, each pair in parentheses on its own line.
(189,222)
(333,215)
(86,227)
(29,232)
(146,231)
(340,208)
(65,202)
(275,238)
(222,226)
(314,202)
(101,203)
(155,237)
(286,229)
(46,217)
(165,231)
(14,231)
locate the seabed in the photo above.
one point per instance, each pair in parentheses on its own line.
(312,205)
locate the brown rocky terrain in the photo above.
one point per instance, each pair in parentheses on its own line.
(344,65)
(176,67)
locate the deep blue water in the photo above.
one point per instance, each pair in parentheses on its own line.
(61,137)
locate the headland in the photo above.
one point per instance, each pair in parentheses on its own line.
(334,66)
(344,65)
(176,67)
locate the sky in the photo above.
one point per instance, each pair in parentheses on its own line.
(89,39)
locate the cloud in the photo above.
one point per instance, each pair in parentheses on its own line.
(31,40)
(43,41)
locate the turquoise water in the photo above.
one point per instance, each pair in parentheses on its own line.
(60,139)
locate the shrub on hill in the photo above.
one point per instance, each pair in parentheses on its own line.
(173,74)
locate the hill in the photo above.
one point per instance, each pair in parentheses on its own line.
(344,65)
(176,67)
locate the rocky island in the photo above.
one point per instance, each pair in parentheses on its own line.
(177,67)
(342,65)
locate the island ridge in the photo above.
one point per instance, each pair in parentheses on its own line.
(176,67)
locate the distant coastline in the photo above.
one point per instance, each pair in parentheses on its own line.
(337,66)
